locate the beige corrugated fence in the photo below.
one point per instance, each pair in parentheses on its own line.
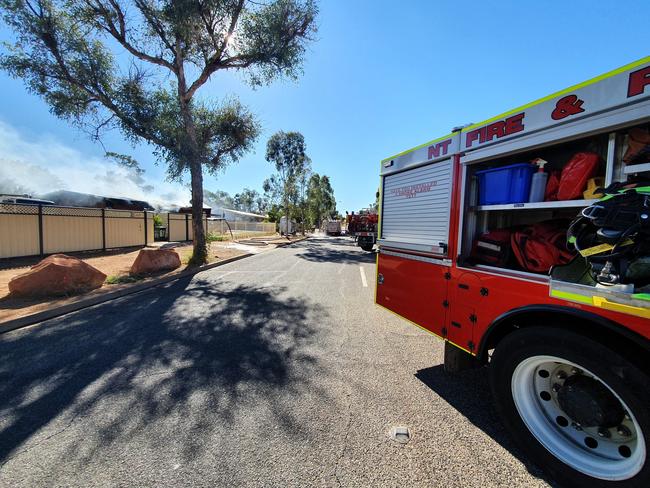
(28,230)
(179,226)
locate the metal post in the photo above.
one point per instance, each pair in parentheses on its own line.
(146,236)
(103,229)
(187,227)
(40,229)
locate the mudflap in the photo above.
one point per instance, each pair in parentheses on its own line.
(457,360)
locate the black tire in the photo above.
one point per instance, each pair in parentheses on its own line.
(630,383)
(367,247)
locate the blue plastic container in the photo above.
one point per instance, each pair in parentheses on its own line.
(508,184)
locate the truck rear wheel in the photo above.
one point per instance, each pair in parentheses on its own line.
(367,247)
(576,408)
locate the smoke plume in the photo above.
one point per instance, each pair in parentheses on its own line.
(45,164)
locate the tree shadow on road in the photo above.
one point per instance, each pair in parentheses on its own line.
(333,250)
(188,355)
(469,393)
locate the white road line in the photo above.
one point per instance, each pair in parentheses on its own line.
(363,277)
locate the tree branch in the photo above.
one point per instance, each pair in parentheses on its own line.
(152,20)
(118,32)
(214,63)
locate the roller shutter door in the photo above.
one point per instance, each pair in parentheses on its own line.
(416,207)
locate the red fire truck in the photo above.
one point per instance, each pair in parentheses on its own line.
(363,227)
(568,358)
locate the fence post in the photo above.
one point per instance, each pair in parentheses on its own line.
(103,229)
(187,228)
(146,236)
(40,229)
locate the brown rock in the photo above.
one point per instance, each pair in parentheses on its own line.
(152,260)
(56,275)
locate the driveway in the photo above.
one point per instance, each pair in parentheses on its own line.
(276,370)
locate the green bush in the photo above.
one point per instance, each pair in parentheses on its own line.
(212,237)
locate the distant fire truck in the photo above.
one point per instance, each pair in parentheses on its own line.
(567,338)
(363,227)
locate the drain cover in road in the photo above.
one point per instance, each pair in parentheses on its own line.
(400,434)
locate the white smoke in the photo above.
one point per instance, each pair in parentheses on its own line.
(44,164)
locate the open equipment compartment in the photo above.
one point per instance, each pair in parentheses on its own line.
(610,143)
(482,218)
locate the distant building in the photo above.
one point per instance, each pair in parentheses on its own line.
(237,215)
(67,198)
(23,199)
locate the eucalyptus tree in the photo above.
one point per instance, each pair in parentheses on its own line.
(321,200)
(138,66)
(287,152)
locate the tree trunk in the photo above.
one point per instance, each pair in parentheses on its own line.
(200,251)
(286,216)
(191,151)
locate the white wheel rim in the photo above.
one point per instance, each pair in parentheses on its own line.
(619,456)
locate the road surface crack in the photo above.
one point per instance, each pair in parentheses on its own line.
(36,444)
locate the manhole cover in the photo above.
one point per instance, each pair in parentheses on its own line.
(400,434)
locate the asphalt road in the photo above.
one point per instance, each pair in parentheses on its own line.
(276,370)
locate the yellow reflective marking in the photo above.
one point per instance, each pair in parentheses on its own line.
(574,297)
(602,248)
(418,147)
(602,302)
(460,347)
(609,74)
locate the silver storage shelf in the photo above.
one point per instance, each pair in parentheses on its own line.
(636,168)
(536,205)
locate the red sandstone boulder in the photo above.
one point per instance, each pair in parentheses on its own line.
(56,275)
(152,260)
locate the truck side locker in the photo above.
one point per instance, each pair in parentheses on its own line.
(414,268)
(466,298)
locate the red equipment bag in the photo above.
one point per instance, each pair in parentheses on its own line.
(539,247)
(552,186)
(579,169)
(492,247)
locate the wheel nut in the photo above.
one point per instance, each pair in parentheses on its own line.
(556,387)
(576,371)
(624,431)
(561,375)
(576,426)
(603,432)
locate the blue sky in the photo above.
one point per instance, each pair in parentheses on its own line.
(382,77)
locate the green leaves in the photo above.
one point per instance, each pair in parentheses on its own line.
(271,40)
(127,64)
(320,195)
